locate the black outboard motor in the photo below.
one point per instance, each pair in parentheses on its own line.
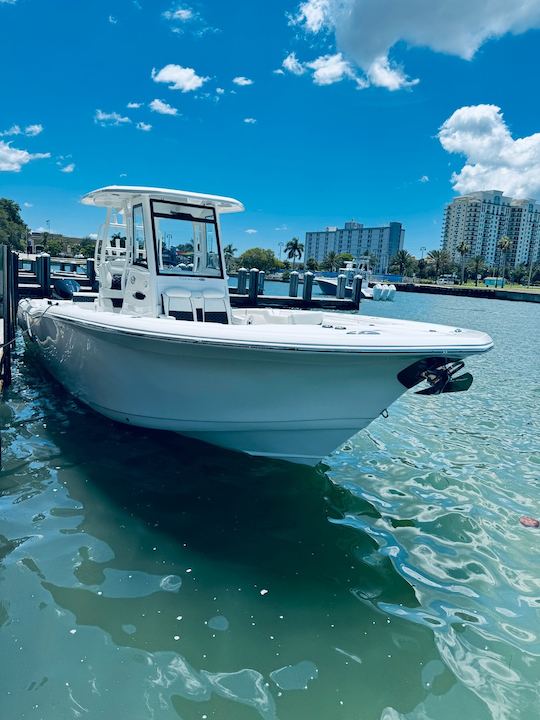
(63,289)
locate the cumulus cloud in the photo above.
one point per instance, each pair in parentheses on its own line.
(251,231)
(112,20)
(329,69)
(250,121)
(493,158)
(241,80)
(134,105)
(145,127)
(68,168)
(107,119)
(293,65)
(27,205)
(12,159)
(162,108)
(423,179)
(366,30)
(179,78)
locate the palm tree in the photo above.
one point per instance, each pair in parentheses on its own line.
(503,246)
(330,262)
(294,249)
(463,249)
(476,264)
(402,260)
(228,252)
(439,260)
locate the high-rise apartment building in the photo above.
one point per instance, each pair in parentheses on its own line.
(480,219)
(380,242)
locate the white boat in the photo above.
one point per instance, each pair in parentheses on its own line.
(351,269)
(161,346)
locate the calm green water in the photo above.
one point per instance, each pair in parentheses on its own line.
(145,576)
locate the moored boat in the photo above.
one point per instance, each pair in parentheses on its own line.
(161,346)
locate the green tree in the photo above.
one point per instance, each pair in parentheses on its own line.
(54,246)
(329,262)
(403,262)
(503,246)
(294,249)
(438,261)
(476,265)
(312,264)
(228,252)
(463,249)
(342,258)
(259,258)
(13,229)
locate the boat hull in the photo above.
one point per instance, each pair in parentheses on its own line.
(285,404)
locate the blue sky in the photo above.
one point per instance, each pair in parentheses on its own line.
(348,128)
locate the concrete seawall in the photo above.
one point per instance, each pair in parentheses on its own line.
(471,292)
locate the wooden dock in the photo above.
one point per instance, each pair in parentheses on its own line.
(8,311)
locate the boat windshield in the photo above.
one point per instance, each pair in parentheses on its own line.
(186,239)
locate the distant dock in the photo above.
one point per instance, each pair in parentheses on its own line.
(465,291)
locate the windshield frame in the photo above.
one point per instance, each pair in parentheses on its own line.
(213,222)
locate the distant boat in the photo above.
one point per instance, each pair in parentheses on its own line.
(351,269)
(161,347)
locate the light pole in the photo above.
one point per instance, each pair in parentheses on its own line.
(422,251)
(280,245)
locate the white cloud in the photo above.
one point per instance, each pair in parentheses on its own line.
(162,107)
(33,130)
(282,227)
(93,236)
(251,231)
(179,78)
(28,205)
(112,20)
(494,159)
(250,121)
(220,90)
(134,105)
(279,71)
(183,14)
(330,69)
(366,30)
(106,119)
(29,130)
(145,127)
(423,179)
(12,159)
(293,65)
(8,2)
(68,168)
(242,81)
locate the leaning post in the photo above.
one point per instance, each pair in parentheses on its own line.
(91,271)
(43,273)
(307,291)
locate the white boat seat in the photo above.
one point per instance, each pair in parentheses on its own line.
(208,305)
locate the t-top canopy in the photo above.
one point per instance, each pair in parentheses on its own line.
(116,195)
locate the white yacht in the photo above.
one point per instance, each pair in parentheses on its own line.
(161,346)
(352,268)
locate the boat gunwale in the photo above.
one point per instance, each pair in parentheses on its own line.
(270,346)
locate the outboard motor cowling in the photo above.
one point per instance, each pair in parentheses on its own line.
(63,289)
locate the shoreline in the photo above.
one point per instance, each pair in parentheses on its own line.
(481,292)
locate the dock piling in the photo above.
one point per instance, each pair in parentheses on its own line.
(357,290)
(253,285)
(340,290)
(308,286)
(43,273)
(242,281)
(262,277)
(293,284)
